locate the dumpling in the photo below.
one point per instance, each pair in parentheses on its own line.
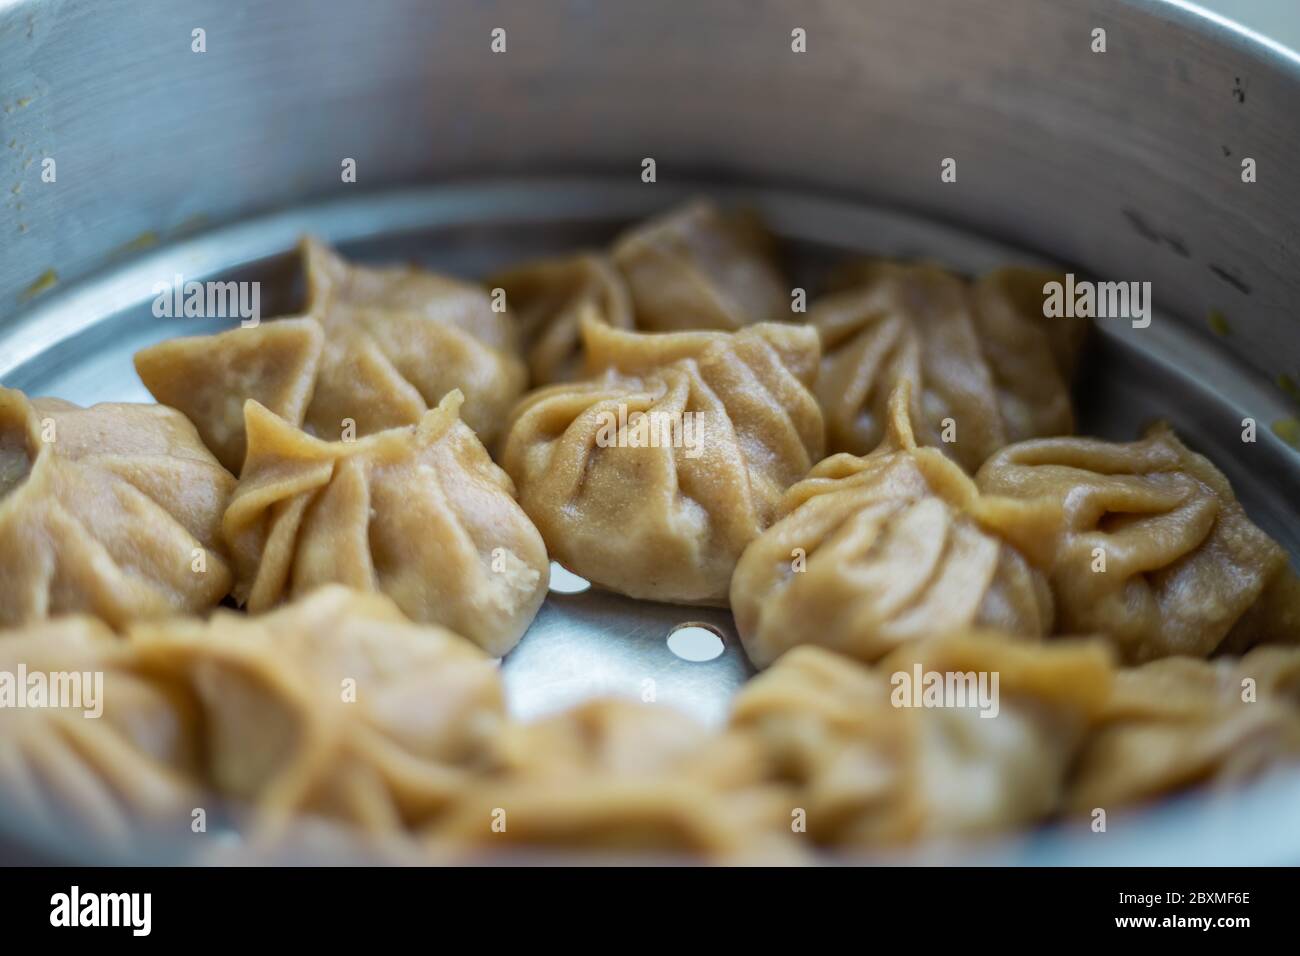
(986,368)
(549,299)
(375,349)
(695,267)
(872,769)
(398,339)
(1152,549)
(113,510)
(1178,721)
(89,744)
(875,551)
(651,477)
(209,378)
(420,513)
(615,775)
(334,706)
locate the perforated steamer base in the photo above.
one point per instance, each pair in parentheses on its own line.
(77,343)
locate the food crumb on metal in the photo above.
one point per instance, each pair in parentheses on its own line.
(44,282)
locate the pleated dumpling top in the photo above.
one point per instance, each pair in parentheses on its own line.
(1152,547)
(334,705)
(420,513)
(875,551)
(1178,721)
(94,746)
(622,776)
(550,298)
(986,366)
(874,765)
(113,510)
(375,349)
(398,339)
(698,267)
(651,476)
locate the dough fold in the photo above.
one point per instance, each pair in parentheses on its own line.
(651,476)
(986,367)
(375,349)
(113,510)
(420,513)
(1152,548)
(871,552)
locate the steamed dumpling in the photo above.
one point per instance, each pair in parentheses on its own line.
(209,378)
(1178,721)
(696,267)
(131,770)
(984,364)
(549,298)
(1151,547)
(420,513)
(398,339)
(651,477)
(375,349)
(617,775)
(875,551)
(113,510)
(335,706)
(870,770)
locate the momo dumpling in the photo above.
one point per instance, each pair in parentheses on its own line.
(652,476)
(620,775)
(696,267)
(335,706)
(375,349)
(398,339)
(1178,722)
(1152,549)
(873,769)
(986,367)
(113,510)
(89,743)
(210,377)
(875,551)
(549,299)
(420,513)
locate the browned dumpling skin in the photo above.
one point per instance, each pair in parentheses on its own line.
(1179,722)
(375,349)
(1152,548)
(630,507)
(985,365)
(549,299)
(335,706)
(613,775)
(876,551)
(696,267)
(113,510)
(420,513)
(108,754)
(871,772)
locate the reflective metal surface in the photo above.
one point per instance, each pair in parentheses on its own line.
(1125,165)
(1125,162)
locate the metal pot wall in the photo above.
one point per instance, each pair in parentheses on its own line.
(1113,161)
